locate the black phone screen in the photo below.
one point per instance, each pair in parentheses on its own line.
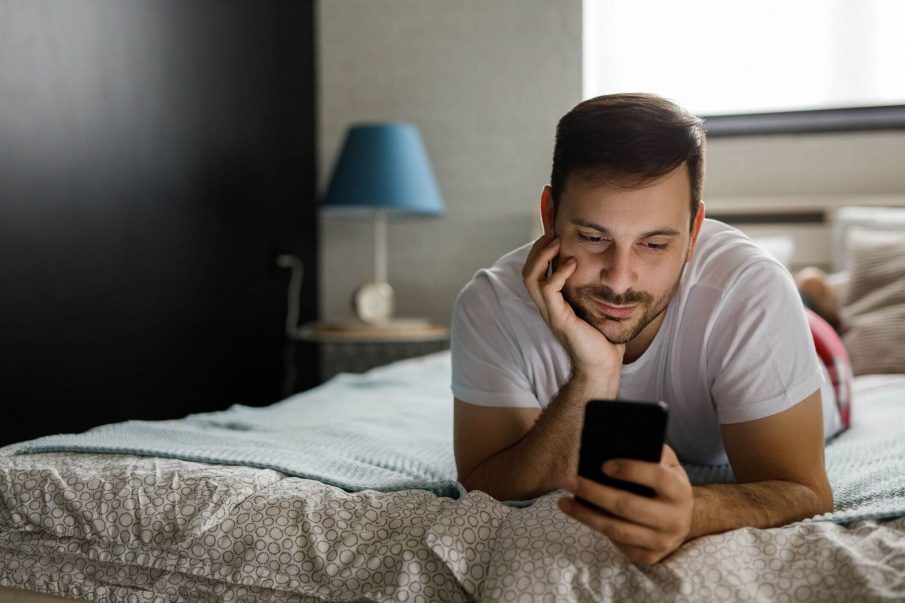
(621,429)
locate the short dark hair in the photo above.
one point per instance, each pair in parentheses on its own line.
(631,138)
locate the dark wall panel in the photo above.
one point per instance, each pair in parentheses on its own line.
(155,156)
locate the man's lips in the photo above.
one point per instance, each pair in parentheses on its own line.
(615,311)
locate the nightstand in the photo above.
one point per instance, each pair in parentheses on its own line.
(355,347)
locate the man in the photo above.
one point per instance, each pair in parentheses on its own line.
(632,294)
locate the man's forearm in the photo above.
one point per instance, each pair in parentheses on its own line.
(723,507)
(538,462)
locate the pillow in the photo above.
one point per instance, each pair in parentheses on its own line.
(873,310)
(870,218)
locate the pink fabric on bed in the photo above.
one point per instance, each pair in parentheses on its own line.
(835,358)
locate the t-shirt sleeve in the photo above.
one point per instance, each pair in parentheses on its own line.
(761,358)
(487,369)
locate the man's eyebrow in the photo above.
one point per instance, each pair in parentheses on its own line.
(661,232)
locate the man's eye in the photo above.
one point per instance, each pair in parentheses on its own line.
(590,238)
(656,246)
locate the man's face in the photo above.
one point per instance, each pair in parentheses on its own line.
(631,246)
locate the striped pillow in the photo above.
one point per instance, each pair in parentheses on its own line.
(873,311)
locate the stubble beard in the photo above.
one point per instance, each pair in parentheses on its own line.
(619,330)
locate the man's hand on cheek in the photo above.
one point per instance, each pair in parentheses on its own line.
(645,529)
(590,351)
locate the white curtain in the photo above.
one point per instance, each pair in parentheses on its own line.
(730,56)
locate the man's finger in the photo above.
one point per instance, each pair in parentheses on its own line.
(624,504)
(535,271)
(558,277)
(652,475)
(538,259)
(537,248)
(661,478)
(552,291)
(619,531)
(668,456)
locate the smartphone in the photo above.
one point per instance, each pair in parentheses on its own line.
(621,429)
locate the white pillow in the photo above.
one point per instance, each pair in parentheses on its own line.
(886,219)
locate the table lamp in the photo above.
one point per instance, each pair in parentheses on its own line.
(382,169)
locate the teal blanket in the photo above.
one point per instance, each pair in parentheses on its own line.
(391,429)
(866,464)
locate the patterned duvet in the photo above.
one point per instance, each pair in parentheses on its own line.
(128,528)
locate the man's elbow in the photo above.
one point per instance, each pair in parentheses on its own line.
(471,484)
(826,501)
(468,473)
(500,489)
(823,498)
(470,478)
(465,478)
(474,481)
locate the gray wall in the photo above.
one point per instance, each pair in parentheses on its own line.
(485,82)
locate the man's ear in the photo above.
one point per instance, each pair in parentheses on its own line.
(547,209)
(695,230)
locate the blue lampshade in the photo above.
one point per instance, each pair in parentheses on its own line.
(384,167)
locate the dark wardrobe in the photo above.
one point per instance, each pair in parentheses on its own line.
(155,158)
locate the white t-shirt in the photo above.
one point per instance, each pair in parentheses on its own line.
(734,345)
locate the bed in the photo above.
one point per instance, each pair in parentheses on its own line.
(348,492)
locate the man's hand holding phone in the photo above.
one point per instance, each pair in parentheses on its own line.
(645,529)
(593,356)
(630,485)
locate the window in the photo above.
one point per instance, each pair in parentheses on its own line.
(802,65)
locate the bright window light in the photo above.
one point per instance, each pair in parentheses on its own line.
(717,57)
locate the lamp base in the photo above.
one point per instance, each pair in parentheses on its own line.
(373,302)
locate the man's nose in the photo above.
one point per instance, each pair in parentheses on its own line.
(618,272)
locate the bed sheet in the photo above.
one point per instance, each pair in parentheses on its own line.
(110,527)
(133,528)
(144,529)
(536,554)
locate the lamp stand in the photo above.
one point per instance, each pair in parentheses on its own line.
(380,246)
(374,302)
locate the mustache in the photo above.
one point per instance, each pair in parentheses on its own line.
(608,296)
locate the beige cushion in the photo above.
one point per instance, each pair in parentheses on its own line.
(868,218)
(873,310)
